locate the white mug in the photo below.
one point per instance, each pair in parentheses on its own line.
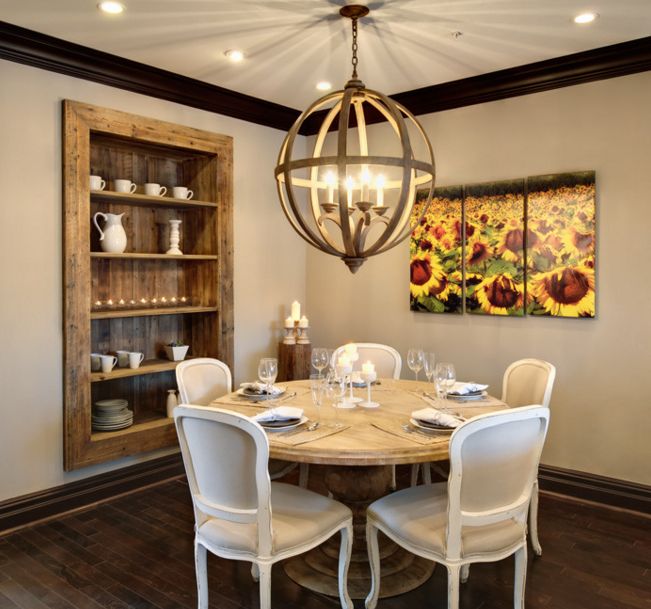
(155,190)
(123,358)
(95,363)
(135,359)
(108,362)
(181,192)
(96,183)
(125,186)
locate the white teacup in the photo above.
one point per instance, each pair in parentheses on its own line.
(123,358)
(181,192)
(125,186)
(108,362)
(155,190)
(95,362)
(135,359)
(96,183)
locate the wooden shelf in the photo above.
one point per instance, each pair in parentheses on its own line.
(149,366)
(146,425)
(150,312)
(124,198)
(141,256)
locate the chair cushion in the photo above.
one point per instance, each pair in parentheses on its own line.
(418,515)
(298,516)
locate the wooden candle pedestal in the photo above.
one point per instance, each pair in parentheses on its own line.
(294,362)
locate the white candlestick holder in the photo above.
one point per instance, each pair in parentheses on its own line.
(290,337)
(302,337)
(369,379)
(175,238)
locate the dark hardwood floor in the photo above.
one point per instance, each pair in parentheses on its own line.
(136,552)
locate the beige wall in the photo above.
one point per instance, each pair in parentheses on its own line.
(601,419)
(269,261)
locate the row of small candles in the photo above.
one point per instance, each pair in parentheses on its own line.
(141,303)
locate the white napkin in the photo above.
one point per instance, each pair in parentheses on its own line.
(280,413)
(431,415)
(460,388)
(261,388)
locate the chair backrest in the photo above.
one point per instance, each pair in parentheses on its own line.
(202,380)
(387,360)
(493,464)
(528,381)
(226,456)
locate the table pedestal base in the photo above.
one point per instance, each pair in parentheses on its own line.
(358,487)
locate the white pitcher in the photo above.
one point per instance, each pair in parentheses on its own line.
(113,238)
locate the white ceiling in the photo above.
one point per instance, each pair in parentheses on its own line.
(292,44)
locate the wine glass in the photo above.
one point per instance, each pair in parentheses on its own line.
(267,372)
(317,389)
(429,363)
(319,359)
(446,376)
(415,360)
(335,390)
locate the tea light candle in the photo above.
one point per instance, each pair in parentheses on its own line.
(121,302)
(183,300)
(289,322)
(98,304)
(296,310)
(109,303)
(163,300)
(143,301)
(303,323)
(132,303)
(368,368)
(173,300)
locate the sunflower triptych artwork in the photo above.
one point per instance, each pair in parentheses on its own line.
(507,248)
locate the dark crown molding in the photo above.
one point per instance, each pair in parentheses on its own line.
(34,49)
(42,51)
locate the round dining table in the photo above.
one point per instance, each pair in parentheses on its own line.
(351,454)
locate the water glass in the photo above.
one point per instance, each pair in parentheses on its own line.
(445,376)
(317,389)
(268,371)
(335,390)
(429,363)
(319,359)
(415,359)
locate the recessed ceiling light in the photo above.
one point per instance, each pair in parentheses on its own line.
(585,18)
(324,85)
(234,55)
(111,7)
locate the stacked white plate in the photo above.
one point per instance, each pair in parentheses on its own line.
(109,415)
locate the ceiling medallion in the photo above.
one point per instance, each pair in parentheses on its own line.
(340,198)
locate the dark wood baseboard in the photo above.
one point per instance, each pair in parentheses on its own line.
(609,492)
(53,502)
(50,503)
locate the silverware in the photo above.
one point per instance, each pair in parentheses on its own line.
(312,426)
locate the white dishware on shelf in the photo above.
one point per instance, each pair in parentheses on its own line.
(125,186)
(181,192)
(108,362)
(172,402)
(155,190)
(176,353)
(113,239)
(95,362)
(123,358)
(135,359)
(96,183)
(175,238)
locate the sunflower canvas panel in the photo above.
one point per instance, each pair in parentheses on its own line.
(436,253)
(561,211)
(494,248)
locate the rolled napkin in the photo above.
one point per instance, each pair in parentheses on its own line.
(460,388)
(436,417)
(278,414)
(259,388)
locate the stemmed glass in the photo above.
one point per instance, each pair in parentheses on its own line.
(446,376)
(267,372)
(429,363)
(415,359)
(335,390)
(317,388)
(319,359)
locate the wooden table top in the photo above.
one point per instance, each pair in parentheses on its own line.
(362,443)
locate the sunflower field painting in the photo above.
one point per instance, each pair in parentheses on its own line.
(561,245)
(436,253)
(494,248)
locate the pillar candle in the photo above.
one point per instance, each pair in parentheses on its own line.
(296,311)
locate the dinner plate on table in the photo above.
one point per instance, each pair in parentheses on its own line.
(474,395)
(431,426)
(258,397)
(283,425)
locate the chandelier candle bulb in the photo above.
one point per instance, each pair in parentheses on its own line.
(379,184)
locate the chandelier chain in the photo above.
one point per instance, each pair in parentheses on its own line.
(354,48)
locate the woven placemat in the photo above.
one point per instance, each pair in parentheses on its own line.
(303,436)
(425,438)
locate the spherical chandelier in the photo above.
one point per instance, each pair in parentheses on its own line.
(341,199)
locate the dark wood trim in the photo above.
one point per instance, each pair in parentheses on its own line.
(588,66)
(39,50)
(53,502)
(598,489)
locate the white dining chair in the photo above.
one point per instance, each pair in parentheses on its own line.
(387,361)
(529,381)
(480,513)
(239,513)
(204,379)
